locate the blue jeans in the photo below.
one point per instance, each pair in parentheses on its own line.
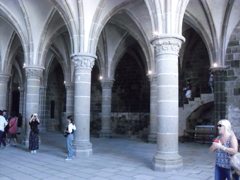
(69,145)
(1,139)
(223,173)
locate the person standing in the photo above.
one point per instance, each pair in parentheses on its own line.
(33,137)
(70,130)
(5,115)
(188,90)
(12,131)
(210,81)
(3,123)
(225,145)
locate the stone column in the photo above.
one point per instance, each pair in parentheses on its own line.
(21,100)
(83,65)
(106,108)
(32,96)
(4,78)
(166,49)
(219,94)
(152,137)
(21,107)
(9,99)
(69,103)
(24,107)
(42,108)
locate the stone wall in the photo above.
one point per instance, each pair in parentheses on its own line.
(55,92)
(130,95)
(124,123)
(131,88)
(234,117)
(233,80)
(130,91)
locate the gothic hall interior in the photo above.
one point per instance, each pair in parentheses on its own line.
(122,68)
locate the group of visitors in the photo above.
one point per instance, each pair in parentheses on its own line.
(10,124)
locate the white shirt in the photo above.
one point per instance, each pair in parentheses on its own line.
(71,127)
(3,123)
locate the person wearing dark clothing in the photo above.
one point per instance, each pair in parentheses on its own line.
(211,82)
(33,137)
(5,115)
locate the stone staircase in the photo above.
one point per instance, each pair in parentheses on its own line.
(184,113)
(187,109)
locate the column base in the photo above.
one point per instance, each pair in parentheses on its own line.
(167,163)
(42,129)
(105,134)
(25,142)
(83,149)
(152,138)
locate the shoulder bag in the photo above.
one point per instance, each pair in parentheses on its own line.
(235,162)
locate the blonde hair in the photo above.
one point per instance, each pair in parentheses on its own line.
(226,123)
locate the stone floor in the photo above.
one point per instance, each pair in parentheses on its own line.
(112,159)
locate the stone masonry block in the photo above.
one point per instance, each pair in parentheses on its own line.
(229,50)
(237,84)
(235,49)
(235,63)
(236,91)
(236,56)
(228,63)
(233,43)
(229,57)
(233,37)
(233,78)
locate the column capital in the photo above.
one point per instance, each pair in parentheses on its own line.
(35,71)
(4,78)
(219,68)
(107,83)
(152,77)
(168,42)
(69,86)
(83,60)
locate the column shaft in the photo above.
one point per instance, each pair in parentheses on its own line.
(219,95)
(21,101)
(152,138)
(42,108)
(69,98)
(69,103)
(21,108)
(167,157)
(4,78)
(83,65)
(32,97)
(106,107)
